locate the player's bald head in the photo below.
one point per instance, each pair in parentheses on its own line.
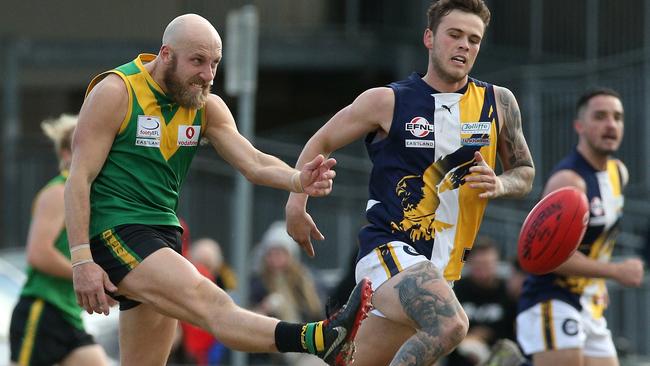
(190,30)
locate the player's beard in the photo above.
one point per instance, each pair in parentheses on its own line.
(182,93)
(445,75)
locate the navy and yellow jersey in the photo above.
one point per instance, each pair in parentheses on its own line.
(605,196)
(150,156)
(417,184)
(56,291)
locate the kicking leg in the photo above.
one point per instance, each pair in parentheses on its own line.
(173,286)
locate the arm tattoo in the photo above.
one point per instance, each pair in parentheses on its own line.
(428,310)
(518,164)
(516,148)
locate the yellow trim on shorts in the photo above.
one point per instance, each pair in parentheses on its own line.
(383,263)
(548,331)
(27,347)
(318,337)
(118,250)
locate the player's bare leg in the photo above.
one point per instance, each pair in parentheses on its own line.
(173,286)
(572,356)
(379,339)
(87,355)
(601,361)
(418,298)
(145,336)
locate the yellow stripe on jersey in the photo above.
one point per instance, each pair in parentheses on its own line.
(100,77)
(33,318)
(614,178)
(597,305)
(141,83)
(470,207)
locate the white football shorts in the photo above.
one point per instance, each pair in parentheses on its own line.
(554,324)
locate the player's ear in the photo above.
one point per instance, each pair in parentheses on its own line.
(166,53)
(578,126)
(427,38)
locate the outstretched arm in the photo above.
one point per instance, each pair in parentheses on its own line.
(371,111)
(315,178)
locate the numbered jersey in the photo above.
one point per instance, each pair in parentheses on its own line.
(604,193)
(417,188)
(150,156)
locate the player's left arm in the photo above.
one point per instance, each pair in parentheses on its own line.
(315,178)
(518,167)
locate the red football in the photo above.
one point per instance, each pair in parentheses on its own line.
(553,230)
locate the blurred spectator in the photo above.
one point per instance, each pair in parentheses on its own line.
(489,307)
(282,287)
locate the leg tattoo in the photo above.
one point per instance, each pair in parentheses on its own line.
(430,311)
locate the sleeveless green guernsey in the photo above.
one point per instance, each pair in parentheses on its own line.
(54,290)
(150,157)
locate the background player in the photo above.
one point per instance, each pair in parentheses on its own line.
(46,326)
(560,319)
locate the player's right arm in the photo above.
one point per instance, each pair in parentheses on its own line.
(99,121)
(371,111)
(628,272)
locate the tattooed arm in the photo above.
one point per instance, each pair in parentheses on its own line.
(518,168)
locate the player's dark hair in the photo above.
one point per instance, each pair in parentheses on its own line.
(442,8)
(591,93)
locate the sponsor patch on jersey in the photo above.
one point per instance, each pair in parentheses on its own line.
(419,127)
(427,144)
(149,127)
(147,142)
(188,135)
(475,133)
(149,131)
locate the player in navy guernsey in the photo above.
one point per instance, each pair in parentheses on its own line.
(433,140)
(560,319)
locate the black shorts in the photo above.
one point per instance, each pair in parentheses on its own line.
(120,249)
(40,335)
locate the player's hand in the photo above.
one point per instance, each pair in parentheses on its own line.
(89,282)
(629,272)
(301,227)
(484,178)
(317,175)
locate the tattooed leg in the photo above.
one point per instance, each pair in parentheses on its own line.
(440,321)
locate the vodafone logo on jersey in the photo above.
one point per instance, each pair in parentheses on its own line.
(419,127)
(188,135)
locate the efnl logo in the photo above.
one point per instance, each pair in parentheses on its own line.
(419,127)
